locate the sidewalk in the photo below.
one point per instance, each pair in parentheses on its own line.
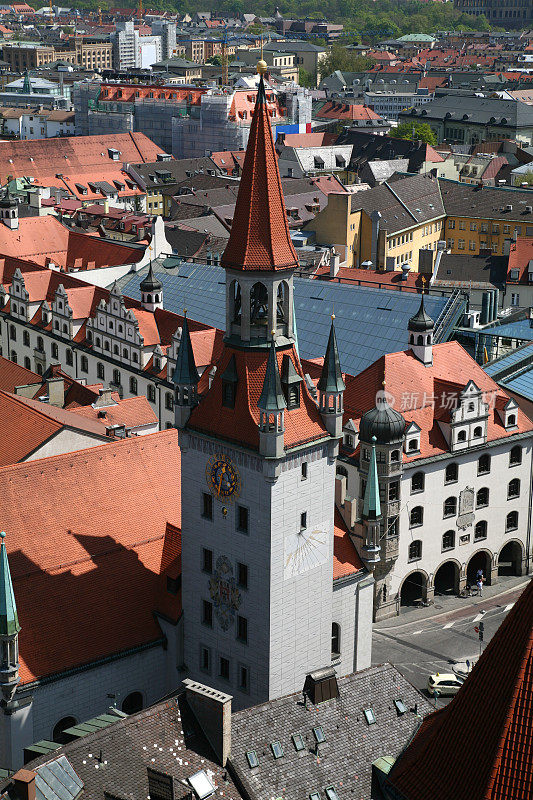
(502,593)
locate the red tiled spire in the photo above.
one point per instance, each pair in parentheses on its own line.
(260,237)
(480,747)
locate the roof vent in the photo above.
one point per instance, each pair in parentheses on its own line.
(509,207)
(321,685)
(529,209)
(160,785)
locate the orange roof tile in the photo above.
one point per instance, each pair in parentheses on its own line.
(240,424)
(98,548)
(345,559)
(12,375)
(133,412)
(334,109)
(259,238)
(424,394)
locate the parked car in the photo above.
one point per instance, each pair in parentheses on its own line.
(445,684)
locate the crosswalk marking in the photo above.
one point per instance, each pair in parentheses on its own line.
(449,624)
(416,633)
(508,608)
(478,617)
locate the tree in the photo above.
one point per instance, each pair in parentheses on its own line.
(345,60)
(306,79)
(216,60)
(414,130)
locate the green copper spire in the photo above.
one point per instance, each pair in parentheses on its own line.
(26,86)
(185,373)
(331,378)
(272,399)
(371,503)
(9,621)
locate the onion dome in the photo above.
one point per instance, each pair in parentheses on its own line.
(421,322)
(151,283)
(383,422)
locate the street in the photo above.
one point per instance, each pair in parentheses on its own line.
(421,647)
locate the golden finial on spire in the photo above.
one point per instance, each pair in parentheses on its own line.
(262,67)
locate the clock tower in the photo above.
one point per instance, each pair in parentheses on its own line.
(258,466)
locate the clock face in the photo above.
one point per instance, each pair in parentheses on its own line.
(223,478)
(306,550)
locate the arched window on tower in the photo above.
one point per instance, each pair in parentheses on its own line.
(259,309)
(59,734)
(335,640)
(236,302)
(283,304)
(132,703)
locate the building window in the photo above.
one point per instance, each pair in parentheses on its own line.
(395,456)
(304,470)
(223,668)
(461,436)
(27,362)
(242,519)
(335,640)
(483,464)
(480,531)
(242,575)
(133,385)
(117,379)
(100,371)
(394,490)
(303,520)
(207,560)
(205,659)
(416,517)
(513,489)
(450,507)
(228,394)
(150,392)
(70,357)
(207,613)
(26,338)
(40,344)
(448,540)
(242,629)
(417,482)
(511,522)
(169,401)
(12,333)
(452,473)
(482,497)
(515,456)
(207,505)
(244,678)
(415,550)
(84,364)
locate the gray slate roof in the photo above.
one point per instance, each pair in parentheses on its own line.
(164,737)
(345,759)
(477,110)
(402,203)
(487,202)
(368,322)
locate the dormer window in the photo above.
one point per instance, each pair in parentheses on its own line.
(509,414)
(290,381)
(412,439)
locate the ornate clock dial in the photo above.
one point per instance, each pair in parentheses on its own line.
(223,478)
(305,550)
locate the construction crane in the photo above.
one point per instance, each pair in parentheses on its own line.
(140,9)
(99,15)
(51,9)
(225,57)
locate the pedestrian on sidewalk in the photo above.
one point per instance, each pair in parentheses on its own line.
(480,586)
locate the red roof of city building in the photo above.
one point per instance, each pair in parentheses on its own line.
(133,412)
(426,394)
(46,239)
(240,424)
(480,747)
(335,109)
(519,257)
(392,279)
(345,558)
(12,375)
(104,548)
(260,238)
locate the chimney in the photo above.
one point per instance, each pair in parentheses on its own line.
(334,263)
(212,710)
(24,781)
(116,431)
(104,399)
(56,391)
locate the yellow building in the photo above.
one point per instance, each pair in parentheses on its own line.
(484,217)
(387,225)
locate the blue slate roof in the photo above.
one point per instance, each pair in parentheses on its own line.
(514,371)
(520,329)
(368,322)
(511,362)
